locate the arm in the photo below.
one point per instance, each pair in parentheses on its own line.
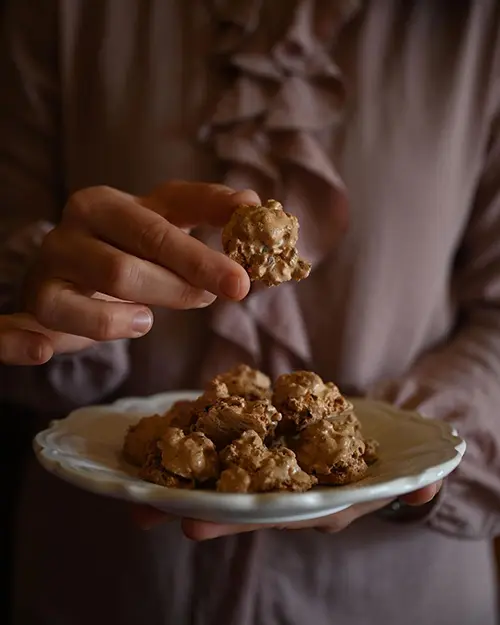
(33,195)
(460,380)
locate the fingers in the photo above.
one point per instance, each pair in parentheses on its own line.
(144,234)
(422,496)
(188,204)
(95,265)
(147,517)
(204,530)
(59,306)
(331,524)
(201,530)
(339,521)
(24,347)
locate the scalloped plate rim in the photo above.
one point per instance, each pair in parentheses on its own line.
(313,503)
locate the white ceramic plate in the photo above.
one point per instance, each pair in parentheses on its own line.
(85,450)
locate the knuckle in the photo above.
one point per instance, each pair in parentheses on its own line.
(83,201)
(51,244)
(104,324)
(46,304)
(189,297)
(155,239)
(121,276)
(78,205)
(199,270)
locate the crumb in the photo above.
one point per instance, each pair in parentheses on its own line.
(371,451)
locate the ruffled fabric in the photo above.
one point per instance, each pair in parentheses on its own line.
(282,95)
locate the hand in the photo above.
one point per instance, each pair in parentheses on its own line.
(147,518)
(114,255)
(23,341)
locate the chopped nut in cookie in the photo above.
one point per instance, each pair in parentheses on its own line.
(263,239)
(303,398)
(192,456)
(335,456)
(228,418)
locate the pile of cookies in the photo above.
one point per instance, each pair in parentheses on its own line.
(244,435)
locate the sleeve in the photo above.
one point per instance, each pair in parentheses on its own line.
(459,381)
(32,196)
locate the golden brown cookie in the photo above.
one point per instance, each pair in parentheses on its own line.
(263,240)
(332,455)
(303,399)
(252,467)
(248,452)
(153,471)
(234,479)
(280,471)
(245,382)
(191,456)
(227,419)
(139,436)
(181,414)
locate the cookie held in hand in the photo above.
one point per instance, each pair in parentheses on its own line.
(263,240)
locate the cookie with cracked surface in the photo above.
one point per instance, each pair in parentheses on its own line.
(228,418)
(303,399)
(263,240)
(139,436)
(191,456)
(333,456)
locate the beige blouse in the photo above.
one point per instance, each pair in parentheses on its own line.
(381,116)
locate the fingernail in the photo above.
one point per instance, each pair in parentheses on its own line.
(206,300)
(230,286)
(142,322)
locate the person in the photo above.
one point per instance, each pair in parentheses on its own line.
(128,133)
